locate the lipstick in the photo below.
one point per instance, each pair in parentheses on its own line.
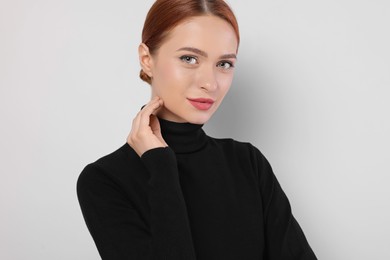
(201,103)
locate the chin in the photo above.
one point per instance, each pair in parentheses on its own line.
(198,119)
(189,116)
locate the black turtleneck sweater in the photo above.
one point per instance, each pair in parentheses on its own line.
(199,198)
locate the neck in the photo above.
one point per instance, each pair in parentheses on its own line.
(183,137)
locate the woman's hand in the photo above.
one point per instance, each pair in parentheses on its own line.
(145,132)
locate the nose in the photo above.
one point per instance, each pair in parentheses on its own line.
(208,80)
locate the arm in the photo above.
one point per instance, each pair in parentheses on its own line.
(118,229)
(284,237)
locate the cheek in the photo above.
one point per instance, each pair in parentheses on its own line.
(162,77)
(224,83)
(171,79)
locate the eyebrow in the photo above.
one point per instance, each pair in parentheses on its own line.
(204,54)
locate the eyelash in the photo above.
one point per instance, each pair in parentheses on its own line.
(228,62)
(185,59)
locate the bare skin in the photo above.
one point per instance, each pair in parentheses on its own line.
(145,133)
(195,61)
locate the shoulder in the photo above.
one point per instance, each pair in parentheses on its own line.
(244,151)
(233,145)
(110,167)
(248,157)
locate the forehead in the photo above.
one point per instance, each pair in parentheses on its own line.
(208,33)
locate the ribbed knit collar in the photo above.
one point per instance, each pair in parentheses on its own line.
(183,137)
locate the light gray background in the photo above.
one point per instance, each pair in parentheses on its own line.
(311,91)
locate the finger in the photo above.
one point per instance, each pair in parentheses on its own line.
(135,124)
(141,126)
(150,101)
(145,108)
(146,113)
(155,125)
(161,105)
(156,129)
(133,130)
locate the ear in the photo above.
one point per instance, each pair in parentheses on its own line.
(145,59)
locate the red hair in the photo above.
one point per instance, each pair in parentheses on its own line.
(164,15)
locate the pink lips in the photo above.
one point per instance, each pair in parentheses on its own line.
(201,103)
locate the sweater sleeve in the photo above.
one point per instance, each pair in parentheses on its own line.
(118,229)
(284,237)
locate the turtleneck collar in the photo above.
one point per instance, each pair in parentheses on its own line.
(183,137)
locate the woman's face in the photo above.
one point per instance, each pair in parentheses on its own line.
(193,69)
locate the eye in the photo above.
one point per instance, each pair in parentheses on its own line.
(189,59)
(225,65)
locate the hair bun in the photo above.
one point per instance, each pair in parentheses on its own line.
(145,77)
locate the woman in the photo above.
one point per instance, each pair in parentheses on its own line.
(172,192)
